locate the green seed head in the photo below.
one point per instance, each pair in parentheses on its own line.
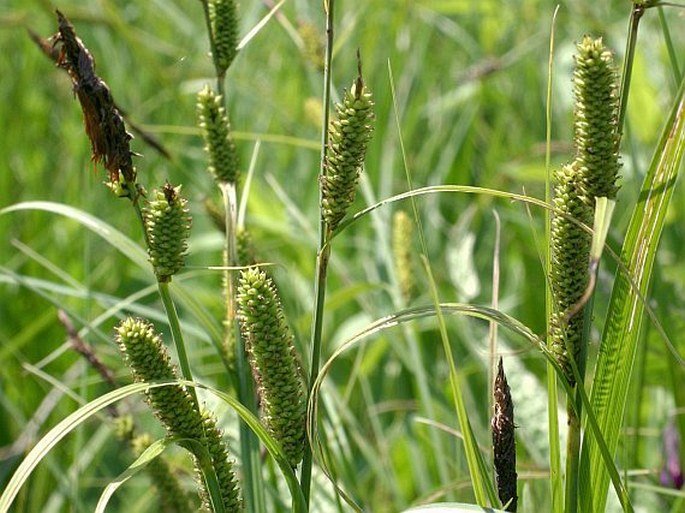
(212,118)
(504,441)
(348,137)
(167,224)
(149,361)
(223,15)
(273,360)
(570,258)
(596,119)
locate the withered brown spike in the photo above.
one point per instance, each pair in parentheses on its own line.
(169,193)
(104,125)
(360,80)
(504,441)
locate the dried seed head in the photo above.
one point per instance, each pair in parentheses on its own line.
(167,224)
(223,15)
(348,137)
(504,441)
(223,156)
(402,233)
(104,124)
(273,359)
(596,119)
(149,361)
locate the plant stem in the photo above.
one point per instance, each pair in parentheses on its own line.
(631,42)
(552,393)
(177,335)
(249,445)
(324,250)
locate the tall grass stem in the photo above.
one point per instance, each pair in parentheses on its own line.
(324,250)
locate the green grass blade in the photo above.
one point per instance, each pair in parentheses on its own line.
(620,337)
(56,434)
(149,454)
(480,478)
(113,236)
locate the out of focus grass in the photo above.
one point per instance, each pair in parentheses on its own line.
(471,83)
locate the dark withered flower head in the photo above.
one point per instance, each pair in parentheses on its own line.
(103,122)
(504,441)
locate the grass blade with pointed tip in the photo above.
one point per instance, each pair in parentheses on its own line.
(622,328)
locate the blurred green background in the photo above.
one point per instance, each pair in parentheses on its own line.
(470,80)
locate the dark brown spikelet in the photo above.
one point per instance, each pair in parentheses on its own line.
(104,124)
(504,441)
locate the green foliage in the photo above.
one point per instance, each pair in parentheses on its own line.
(470,83)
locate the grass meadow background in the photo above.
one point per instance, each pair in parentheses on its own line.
(470,80)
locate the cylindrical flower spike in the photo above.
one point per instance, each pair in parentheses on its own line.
(569,270)
(504,441)
(149,361)
(223,15)
(348,137)
(167,224)
(592,174)
(596,119)
(274,363)
(212,118)
(402,232)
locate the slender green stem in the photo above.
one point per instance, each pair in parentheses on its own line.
(672,54)
(324,251)
(253,491)
(631,44)
(552,393)
(176,334)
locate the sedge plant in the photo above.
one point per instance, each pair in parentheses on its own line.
(279,384)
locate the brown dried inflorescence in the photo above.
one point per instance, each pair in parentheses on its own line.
(504,441)
(104,124)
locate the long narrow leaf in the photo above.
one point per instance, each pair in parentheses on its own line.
(622,329)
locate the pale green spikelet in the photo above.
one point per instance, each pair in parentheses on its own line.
(274,363)
(402,232)
(596,119)
(504,441)
(569,269)
(172,497)
(149,361)
(245,247)
(167,225)
(348,137)
(216,130)
(223,15)
(313,44)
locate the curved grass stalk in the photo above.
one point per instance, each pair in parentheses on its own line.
(480,312)
(87,411)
